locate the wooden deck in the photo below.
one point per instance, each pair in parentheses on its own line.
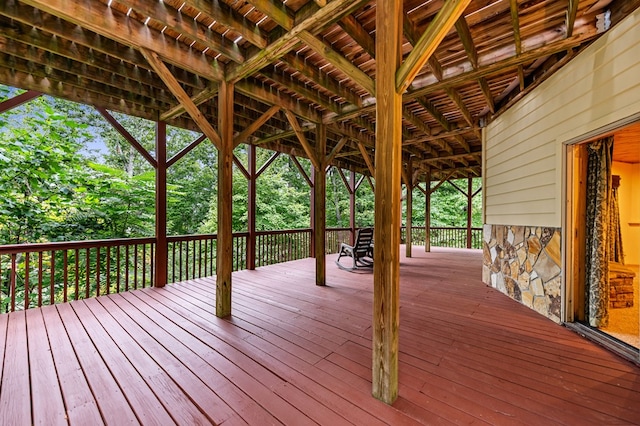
(298,354)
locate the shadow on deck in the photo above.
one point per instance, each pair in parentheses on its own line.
(297,354)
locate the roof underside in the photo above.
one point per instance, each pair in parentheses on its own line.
(315,59)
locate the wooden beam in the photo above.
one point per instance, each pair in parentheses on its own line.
(336,149)
(322,79)
(184,99)
(197,100)
(367,158)
(340,62)
(267,163)
(228,17)
(270,97)
(308,149)
(127,136)
(241,167)
(357,32)
(324,16)
(224,246)
(18,100)
(430,40)
(515,23)
(83,47)
(240,138)
(386,271)
(302,171)
(275,11)
(502,65)
(186,26)
(184,151)
(104,21)
(320,194)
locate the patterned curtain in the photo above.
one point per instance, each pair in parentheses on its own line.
(599,200)
(616,254)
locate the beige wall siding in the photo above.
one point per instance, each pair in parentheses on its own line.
(523,147)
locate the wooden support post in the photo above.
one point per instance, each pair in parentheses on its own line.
(427,214)
(388,165)
(251,209)
(320,195)
(352,206)
(162,252)
(312,213)
(409,227)
(224,259)
(469,210)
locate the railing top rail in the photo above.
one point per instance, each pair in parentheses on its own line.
(284,231)
(70,245)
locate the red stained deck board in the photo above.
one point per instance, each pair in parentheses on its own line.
(468,354)
(201,358)
(79,401)
(161,397)
(46,396)
(113,405)
(15,404)
(300,384)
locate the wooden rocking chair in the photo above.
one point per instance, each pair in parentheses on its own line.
(361,252)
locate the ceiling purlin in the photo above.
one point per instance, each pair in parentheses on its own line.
(135,34)
(469,46)
(226,16)
(515,22)
(315,22)
(80,46)
(56,68)
(186,26)
(500,65)
(324,80)
(572,11)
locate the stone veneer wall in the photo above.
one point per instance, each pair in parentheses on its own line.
(524,262)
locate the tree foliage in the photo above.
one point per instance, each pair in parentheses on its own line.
(69,175)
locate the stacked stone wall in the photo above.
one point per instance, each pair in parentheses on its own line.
(524,262)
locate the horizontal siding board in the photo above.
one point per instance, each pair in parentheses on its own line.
(600,86)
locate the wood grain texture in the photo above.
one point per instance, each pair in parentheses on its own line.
(388,165)
(319,205)
(224,246)
(295,353)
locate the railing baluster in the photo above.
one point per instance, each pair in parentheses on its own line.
(52,292)
(12,281)
(118,269)
(126,268)
(98,271)
(26,281)
(87,260)
(77,273)
(65,274)
(144,265)
(108,267)
(39,278)
(135,266)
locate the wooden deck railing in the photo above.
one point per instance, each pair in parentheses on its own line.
(444,236)
(43,274)
(33,275)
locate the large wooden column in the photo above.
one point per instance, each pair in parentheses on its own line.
(251,209)
(388,164)
(469,210)
(352,206)
(319,205)
(161,258)
(409,227)
(224,259)
(427,214)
